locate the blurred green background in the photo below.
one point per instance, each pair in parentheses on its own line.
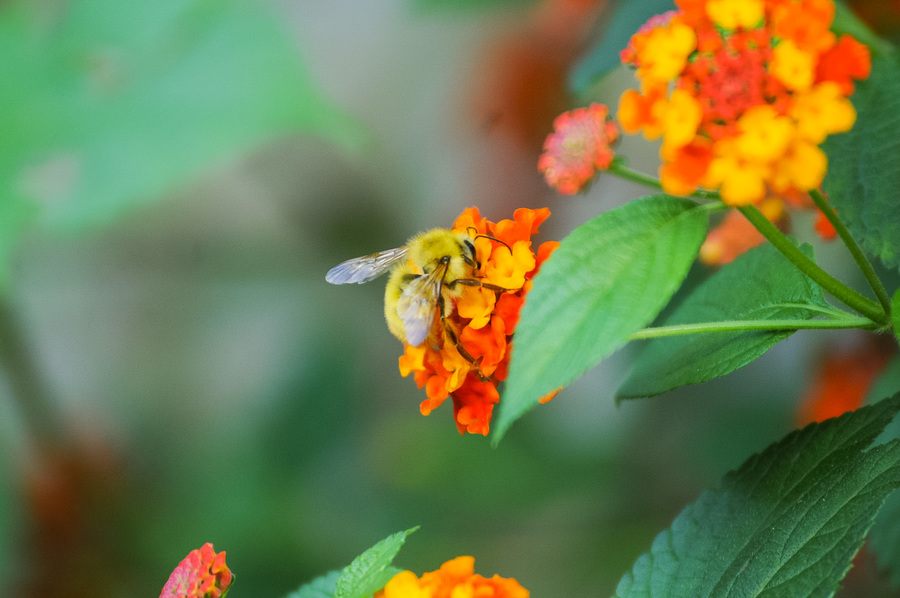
(178,177)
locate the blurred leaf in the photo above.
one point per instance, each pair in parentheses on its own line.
(370,571)
(863,172)
(787,523)
(609,278)
(846,21)
(106,105)
(759,285)
(887,384)
(895,315)
(468,5)
(320,587)
(604,57)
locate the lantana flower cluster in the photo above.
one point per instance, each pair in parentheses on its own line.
(742,93)
(483,320)
(202,574)
(455,579)
(580,145)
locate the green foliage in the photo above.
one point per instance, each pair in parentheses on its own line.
(604,57)
(320,587)
(759,285)
(368,573)
(895,314)
(107,105)
(609,278)
(885,537)
(786,523)
(863,172)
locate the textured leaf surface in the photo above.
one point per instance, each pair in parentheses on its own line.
(610,277)
(863,169)
(320,587)
(759,285)
(787,523)
(370,571)
(885,536)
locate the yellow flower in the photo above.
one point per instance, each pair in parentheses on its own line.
(821,111)
(681,118)
(764,135)
(795,68)
(735,14)
(802,167)
(665,52)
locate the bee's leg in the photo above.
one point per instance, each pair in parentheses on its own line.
(474,282)
(451,334)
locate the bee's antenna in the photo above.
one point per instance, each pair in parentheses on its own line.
(495,239)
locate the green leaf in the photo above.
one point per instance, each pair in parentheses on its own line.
(895,315)
(604,57)
(370,571)
(106,105)
(863,173)
(320,587)
(609,278)
(760,285)
(786,523)
(885,537)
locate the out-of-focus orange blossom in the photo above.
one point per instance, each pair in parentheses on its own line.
(455,579)
(483,320)
(842,380)
(742,93)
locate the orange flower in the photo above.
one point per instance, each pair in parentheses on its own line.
(843,379)
(455,579)
(580,145)
(742,92)
(482,321)
(735,235)
(202,574)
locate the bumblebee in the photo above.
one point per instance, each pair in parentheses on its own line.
(427,274)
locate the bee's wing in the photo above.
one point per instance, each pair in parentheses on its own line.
(365,268)
(417,304)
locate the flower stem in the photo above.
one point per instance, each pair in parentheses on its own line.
(839,290)
(619,169)
(745,325)
(855,250)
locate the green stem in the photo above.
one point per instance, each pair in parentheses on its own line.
(622,171)
(746,325)
(839,290)
(26,388)
(855,250)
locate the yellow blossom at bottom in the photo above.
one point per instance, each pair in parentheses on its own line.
(455,579)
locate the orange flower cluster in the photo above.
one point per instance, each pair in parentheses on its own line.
(455,579)
(202,574)
(742,93)
(579,146)
(483,320)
